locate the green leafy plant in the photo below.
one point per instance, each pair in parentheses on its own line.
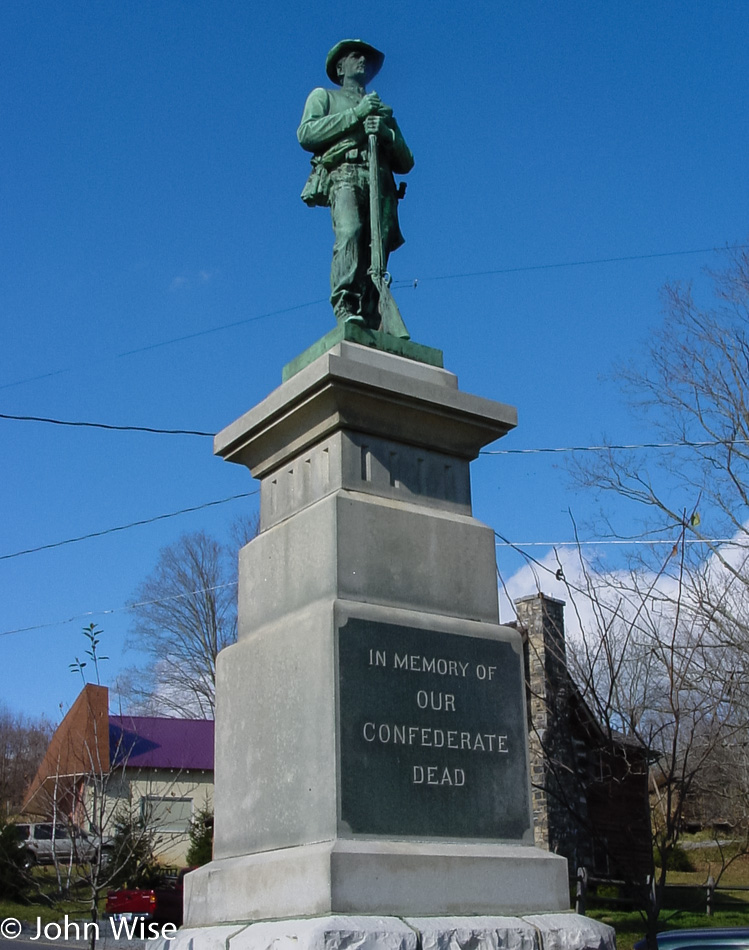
(93,634)
(14,880)
(131,853)
(201,837)
(677,859)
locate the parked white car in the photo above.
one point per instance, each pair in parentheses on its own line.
(43,842)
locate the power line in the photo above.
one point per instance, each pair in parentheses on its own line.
(161,517)
(124,527)
(559,573)
(502,542)
(401,283)
(114,610)
(223,326)
(173,514)
(176,339)
(598,260)
(606,448)
(606,541)
(105,425)
(532,451)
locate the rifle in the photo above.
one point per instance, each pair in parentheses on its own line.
(390,319)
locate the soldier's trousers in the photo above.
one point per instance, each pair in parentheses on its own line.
(351,288)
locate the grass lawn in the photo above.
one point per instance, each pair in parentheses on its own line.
(630,926)
(731,907)
(43,902)
(707,861)
(27,913)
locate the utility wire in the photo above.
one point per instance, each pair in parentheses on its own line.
(606,448)
(106,425)
(530,559)
(605,541)
(537,451)
(401,283)
(173,514)
(124,527)
(148,603)
(176,339)
(114,610)
(596,260)
(502,542)
(223,326)
(558,573)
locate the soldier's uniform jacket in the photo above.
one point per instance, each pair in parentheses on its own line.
(331,130)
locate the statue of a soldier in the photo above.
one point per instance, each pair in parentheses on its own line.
(350,131)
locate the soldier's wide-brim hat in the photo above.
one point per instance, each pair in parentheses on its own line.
(375,58)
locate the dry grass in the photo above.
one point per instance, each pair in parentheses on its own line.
(708,861)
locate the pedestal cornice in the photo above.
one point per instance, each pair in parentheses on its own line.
(359,389)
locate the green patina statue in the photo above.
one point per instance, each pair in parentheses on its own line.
(357,146)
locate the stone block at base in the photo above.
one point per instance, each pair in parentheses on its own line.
(572,932)
(537,932)
(474,933)
(392,878)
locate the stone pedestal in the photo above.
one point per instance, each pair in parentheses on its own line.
(371,752)
(540,932)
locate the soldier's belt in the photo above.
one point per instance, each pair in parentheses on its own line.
(337,155)
(356,156)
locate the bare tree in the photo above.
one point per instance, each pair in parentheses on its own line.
(694,388)
(23,743)
(243,529)
(655,697)
(186,613)
(657,679)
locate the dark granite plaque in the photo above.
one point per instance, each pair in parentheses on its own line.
(432,734)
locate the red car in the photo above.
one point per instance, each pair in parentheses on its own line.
(162,905)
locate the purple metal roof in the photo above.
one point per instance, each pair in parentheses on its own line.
(154,743)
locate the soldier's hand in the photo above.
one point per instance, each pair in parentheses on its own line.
(377,125)
(371,104)
(383,109)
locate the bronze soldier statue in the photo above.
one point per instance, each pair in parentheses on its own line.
(349,131)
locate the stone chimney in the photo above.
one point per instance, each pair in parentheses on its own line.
(541,624)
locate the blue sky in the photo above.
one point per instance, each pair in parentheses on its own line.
(150,193)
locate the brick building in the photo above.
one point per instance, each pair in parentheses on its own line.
(160,769)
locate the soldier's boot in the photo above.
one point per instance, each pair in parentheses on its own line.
(347,309)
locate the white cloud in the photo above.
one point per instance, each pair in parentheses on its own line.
(626,588)
(189,279)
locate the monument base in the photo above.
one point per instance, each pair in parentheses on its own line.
(372,776)
(377,877)
(375,339)
(537,932)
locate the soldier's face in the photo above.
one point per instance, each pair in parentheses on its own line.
(353,66)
